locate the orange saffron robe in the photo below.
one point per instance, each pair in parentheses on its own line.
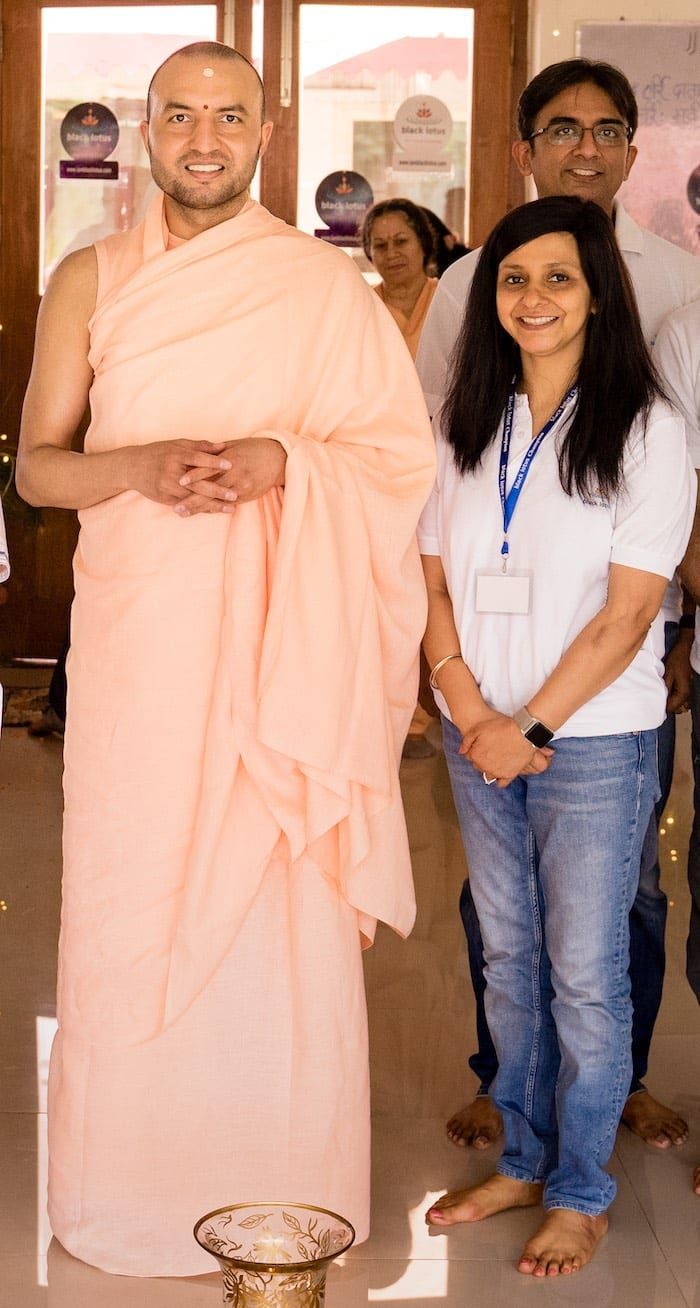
(239,690)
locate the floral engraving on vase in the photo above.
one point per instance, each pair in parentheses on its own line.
(283,1262)
(271,1290)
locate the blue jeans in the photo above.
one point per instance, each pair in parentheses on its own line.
(693,949)
(647,931)
(554,863)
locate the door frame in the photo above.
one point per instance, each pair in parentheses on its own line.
(41,542)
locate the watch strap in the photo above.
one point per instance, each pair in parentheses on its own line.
(533,730)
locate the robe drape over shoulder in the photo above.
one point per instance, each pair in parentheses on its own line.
(239,690)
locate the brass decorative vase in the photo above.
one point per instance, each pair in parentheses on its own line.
(274,1255)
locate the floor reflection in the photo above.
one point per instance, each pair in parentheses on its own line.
(421,1033)
(45,1032)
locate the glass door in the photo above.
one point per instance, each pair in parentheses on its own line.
(386,94)
(96,65)
(353,85)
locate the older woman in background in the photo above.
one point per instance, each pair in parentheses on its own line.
(399,241)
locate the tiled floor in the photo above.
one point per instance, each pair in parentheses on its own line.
(421,1029)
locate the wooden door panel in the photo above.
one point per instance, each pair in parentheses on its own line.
(34,617)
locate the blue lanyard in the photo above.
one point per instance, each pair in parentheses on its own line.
(509,502)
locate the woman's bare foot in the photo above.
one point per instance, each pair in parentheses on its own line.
(565,1242)
(493,1196)
(476,1126)
(696,1180)
(653,1122)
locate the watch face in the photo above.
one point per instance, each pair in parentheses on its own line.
(539,735)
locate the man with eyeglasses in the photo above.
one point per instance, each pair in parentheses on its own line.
(576,124)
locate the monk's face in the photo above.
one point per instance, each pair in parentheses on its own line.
(205,134)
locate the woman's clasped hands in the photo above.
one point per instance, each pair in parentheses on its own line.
(496,746)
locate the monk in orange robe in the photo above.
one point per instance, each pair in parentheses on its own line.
(242,674)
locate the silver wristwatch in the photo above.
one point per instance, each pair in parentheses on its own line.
(532,729)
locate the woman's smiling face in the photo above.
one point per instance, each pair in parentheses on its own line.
(542,297)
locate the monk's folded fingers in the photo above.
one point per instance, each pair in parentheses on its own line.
(202,504)
(202,459)
(212,447)
(191,476)
(175,494)
(209,490)
(185,454)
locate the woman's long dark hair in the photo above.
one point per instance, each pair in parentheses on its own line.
(617,380)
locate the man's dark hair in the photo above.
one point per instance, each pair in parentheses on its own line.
(617,381)
(207,50)
(574,72)
(415,218)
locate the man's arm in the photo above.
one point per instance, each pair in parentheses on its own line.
(677,673)
(676,356)
(689,569)
(50,473)
(441,329)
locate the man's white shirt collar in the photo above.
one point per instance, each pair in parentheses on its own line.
(630,236)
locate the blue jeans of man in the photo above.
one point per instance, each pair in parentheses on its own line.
(693,949)
(554,862)
(647,931)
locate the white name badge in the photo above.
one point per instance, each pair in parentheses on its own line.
(503,592)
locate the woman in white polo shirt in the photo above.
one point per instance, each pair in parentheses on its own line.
(563,503)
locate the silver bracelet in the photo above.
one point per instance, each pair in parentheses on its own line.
(434,670)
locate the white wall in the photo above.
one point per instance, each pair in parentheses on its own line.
(548,16)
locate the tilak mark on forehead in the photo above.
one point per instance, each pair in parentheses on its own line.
(207,72)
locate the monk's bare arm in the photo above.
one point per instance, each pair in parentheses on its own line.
(49,473)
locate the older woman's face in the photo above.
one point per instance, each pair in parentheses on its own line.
(395,250)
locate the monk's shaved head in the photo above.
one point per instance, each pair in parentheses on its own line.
(209,53)
(206,131)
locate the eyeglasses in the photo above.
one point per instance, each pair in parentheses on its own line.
(606,135)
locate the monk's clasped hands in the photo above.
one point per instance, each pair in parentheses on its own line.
(155,470)
(497,748)
(253,466)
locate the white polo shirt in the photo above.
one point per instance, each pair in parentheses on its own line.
(677,356)
(664,277)
(568,546)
